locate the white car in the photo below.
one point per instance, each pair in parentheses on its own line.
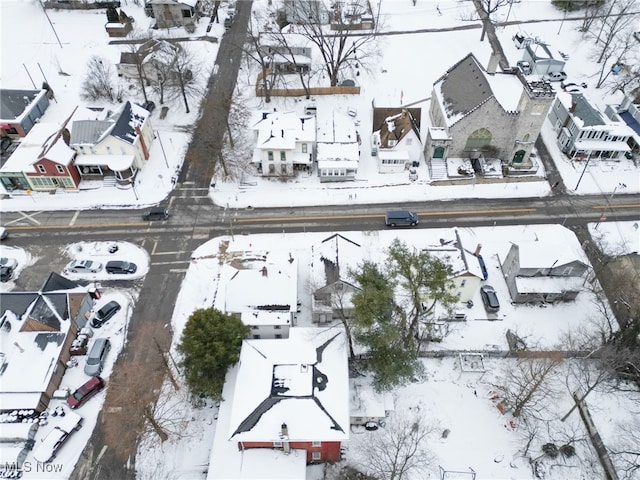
(83,266)
(46,449)
(555,77)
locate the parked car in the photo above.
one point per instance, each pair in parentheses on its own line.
(103,315)
(4,233)
(483,267)
(157,213)
(85,392)
(489,298)
(8,262)
(46,449)
(120,267)
(97,356)
(6,273)
(83,266)
(555,76)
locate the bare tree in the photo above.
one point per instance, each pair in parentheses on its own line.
(527,386)
(100,81)
(340,46)
(399,449)
(285,49)
(257,52)
(184,76)
(618,19)
(489,7)
(236,152)
(138,52)
(614,56)
(625,450)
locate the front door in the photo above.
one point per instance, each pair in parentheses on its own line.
(519,156)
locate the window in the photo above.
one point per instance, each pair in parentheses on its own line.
(304,148)
(479,139)
(277,444)
(270,156)
(392,143)
(316,455)
(316,444)
(283,156)
(59,169)
(283,168)
(108,150)
(254,327)
(463,283)
(41,169)
(277,327)
(409,140)
(256,337)
(278,335)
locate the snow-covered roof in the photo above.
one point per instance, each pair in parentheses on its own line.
(551,284)
(301,382)
(466,86)
(588,116)
(393,154)
(438,133)
(114,162)
(259,282)
(41,142)
(263,317)
(14,104)
(336,127)
(130,117)
(587,144)
(282,130)
(227,462)
(547,254)
(395,123)
(88,132)
(365,401)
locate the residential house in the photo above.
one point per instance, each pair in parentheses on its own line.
(37,329)
(337,147)
(262,291)
(175,13)
(285,143)
(486,114)
(332,285)
(585,132)
(114,148)
(629,112)
(293,395)
(42,162)
(288,53)
(20,110)
(154,58)
(467,273)
(544,271)
(540,59)
(396,138)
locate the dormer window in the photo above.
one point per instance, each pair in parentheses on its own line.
(41,169)
(392,143)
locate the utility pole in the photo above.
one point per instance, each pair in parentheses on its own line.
(50,23)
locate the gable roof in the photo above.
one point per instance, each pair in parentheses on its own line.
(88,132)
(548,254)
(466,86)
(14,103)
(301,382)
(131,116)
(44,140)
(395,123)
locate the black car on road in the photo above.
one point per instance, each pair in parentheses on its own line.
(489,298)
(120,267)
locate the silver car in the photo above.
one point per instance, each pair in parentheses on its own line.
(83,266)
(97,356)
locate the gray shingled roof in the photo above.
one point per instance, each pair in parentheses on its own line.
(585,111)
(88,132)
(13,102)
(124,129)
(464,86)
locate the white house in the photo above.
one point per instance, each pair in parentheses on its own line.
(155,58)
(268,324)
(116,146)
(585,132)
(338,147)
(285,143)
(396,138)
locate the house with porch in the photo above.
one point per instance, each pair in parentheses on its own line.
(585,132)
(628,111)
(332,285)
(544,271)
(20,110)
(175,13)
(396,138)
(288,53)
(486,114)
(337,147)
(292,395)
(114,148)
(285,143)
(42,162)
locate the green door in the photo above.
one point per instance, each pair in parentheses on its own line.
(519,155)
(438,152)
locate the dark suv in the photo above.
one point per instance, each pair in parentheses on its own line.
(489,298)
(158,213)
(105,313)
